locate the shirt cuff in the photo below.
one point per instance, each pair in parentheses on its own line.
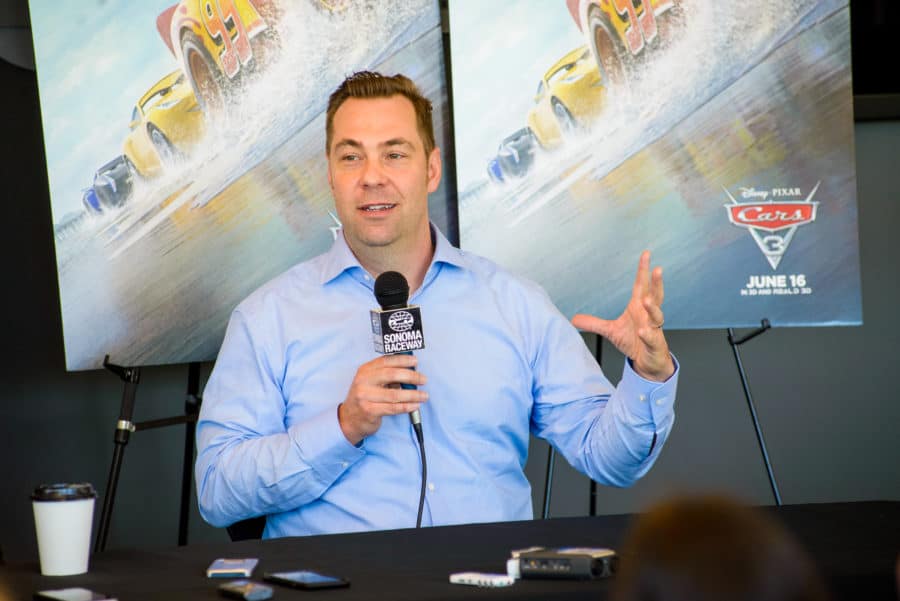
(322,445)
(647,400)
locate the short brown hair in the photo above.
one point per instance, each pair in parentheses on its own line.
(367,84)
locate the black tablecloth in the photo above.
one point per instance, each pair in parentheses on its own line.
(855,544)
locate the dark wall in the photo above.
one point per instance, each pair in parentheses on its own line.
(828,398)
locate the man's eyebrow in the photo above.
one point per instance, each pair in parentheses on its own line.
(397,142)
(356,144)
(347,142)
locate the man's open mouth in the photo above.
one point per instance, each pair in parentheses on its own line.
(379,207)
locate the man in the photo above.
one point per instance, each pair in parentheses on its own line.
(301,421)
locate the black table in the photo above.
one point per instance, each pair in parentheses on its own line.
(855,544)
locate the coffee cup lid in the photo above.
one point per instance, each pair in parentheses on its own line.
(63,492)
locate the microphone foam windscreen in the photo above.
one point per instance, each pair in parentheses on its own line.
(391,290)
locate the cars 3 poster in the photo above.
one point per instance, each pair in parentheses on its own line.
(716,133)
(185,151)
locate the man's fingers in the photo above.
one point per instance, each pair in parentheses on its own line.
(397,375)
(655,316)
(393,361)
(656,285)
(642,278)
(390,369)
(390,401)
(398,408)
(395,396)
(390,395)
(377,391)
(589,323)
(648,336)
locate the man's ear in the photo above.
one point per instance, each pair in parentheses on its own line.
(434,169)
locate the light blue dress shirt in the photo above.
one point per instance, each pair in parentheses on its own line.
(502,362)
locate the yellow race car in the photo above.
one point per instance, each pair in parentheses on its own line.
(216,42)
(166,123)
(219,43)
(619,31)
(569,96)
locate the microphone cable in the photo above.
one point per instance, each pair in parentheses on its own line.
(421,438)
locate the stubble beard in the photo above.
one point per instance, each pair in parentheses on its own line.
(373,236)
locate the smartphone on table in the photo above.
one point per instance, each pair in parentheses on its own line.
(305,579)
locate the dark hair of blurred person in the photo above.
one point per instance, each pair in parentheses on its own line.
(711,548)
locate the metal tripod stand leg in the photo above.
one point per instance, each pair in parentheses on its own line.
(764,325)
(124,427)
(548,482)
(191,411)
(592,489)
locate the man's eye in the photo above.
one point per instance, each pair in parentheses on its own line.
(396,155)
(350,157)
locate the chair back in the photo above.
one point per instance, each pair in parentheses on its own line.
(249,529)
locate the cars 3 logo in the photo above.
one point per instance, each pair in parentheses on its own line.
(773,222)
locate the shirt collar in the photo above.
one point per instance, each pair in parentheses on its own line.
(340,258)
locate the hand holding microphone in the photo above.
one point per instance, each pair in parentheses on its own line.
(375,392)
(397,327)
(386,385)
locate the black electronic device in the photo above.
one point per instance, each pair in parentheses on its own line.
(575,563)
(305,579)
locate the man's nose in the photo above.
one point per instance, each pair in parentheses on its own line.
(373,173)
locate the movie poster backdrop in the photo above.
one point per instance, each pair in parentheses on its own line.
(716,133)
(185,146)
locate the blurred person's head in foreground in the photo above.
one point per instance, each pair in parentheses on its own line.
(711,548)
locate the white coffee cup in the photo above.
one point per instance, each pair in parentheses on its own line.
(63,516)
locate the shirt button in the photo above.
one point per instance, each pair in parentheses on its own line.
(643,397)
(367,277)
(344,464)
(431,486)
(661,401)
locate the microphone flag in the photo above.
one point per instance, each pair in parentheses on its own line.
(397,330)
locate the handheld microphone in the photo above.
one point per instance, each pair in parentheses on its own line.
(397,326)
(398,330)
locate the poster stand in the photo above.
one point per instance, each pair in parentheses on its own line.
(124,427)
(548,482)
(735,342)
(592,493)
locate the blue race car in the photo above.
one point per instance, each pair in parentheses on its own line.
(515,156)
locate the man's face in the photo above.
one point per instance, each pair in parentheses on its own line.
(379,174)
